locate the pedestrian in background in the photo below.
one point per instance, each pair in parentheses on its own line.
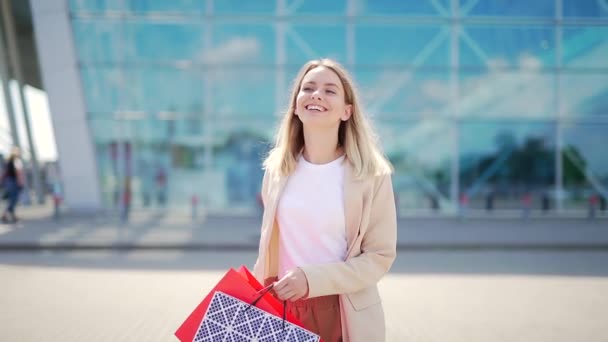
(329,227)
(13,181)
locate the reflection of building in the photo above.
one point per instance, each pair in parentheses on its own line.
(472,99)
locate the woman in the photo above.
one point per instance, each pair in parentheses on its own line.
(13,181)
(329,224)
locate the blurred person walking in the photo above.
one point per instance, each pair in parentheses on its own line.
(329,230)
(13,181)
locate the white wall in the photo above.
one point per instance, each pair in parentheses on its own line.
(61,80)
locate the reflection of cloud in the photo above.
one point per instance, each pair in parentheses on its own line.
(234,50)
(436,90)
(387,79)
(497,64)
(529,62)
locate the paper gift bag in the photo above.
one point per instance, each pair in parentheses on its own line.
(241,286)
(230,319)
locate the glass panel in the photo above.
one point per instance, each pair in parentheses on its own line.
(103,89)
(585,94)
(420,153)
(505,165)
(404,8)
(585,47)
(173,6)
(335,7)
(404,94)
(166,90)
(164,41)
(242,44)
(585,166)
(521,8)
(586,8)
(242,145)
(96,5)
(239,7)
(244,92)
(529,48)
(99,41)
(507,95)
(306,42)
(402,45)
(146,170)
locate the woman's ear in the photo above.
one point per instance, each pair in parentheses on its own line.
(348,111)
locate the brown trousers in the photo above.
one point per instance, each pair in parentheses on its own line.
(320,315)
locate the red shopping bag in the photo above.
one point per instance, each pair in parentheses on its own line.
(238,286)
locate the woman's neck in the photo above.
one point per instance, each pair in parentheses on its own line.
(321,147)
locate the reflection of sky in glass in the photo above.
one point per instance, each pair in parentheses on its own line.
(522,8)
(586,8)
(506,46)
(413,45)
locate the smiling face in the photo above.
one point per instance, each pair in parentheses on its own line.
(320,101)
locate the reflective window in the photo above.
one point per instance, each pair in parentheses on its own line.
(244,92)
(306,42)
(318,7)
(585,47)
(404,94)
(183,97)
(156,42)
(420,151)
(586,8)
(242,44)
(522,96)
(99,40)
(584,94)
(404,8)
(96,5)
(503,163)
(414,45)
(515,8)
(585,166)
(239,7)
(528,48)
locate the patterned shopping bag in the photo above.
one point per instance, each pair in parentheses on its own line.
(208,321)
(230,319)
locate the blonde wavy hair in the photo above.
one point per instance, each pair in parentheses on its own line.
(355,135)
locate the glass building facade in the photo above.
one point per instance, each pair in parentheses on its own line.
(488,104)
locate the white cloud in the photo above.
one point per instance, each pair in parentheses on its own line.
(237,49)
(529,62)
(499,63)
(436,90)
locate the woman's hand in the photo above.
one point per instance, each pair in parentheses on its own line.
(292,286)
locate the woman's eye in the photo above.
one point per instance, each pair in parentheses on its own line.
(307,89)
(331,92)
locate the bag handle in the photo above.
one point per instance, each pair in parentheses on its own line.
(263,292)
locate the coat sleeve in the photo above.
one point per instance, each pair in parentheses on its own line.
(378,251)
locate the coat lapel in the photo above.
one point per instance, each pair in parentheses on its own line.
(353,205)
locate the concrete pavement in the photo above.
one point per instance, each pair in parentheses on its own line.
(429,296)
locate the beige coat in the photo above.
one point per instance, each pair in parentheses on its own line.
(371,232)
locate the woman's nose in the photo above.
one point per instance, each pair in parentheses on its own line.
(316,94)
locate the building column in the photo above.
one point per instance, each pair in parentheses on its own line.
(61,79)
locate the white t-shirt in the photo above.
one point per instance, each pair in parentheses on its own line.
(310,215)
